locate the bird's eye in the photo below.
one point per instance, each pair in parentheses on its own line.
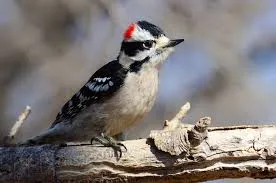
(148,44)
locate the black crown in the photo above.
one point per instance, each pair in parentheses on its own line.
(153,29)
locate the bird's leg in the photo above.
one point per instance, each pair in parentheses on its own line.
(109,142)
(100,139)
(114,142)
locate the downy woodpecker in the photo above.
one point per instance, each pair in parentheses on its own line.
(117,95)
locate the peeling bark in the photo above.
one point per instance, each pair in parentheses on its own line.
(238,152)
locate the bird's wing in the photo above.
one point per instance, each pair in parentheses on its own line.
(101,86)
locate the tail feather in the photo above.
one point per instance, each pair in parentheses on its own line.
(49,137)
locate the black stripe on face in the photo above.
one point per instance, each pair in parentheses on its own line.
(136,66)
(132,48)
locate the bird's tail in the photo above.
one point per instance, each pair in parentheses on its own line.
(49,137)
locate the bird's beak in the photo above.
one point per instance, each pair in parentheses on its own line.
(173,43)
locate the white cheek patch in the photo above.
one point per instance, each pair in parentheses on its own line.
(162,41)
(158,59)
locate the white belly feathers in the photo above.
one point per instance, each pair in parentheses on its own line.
(133,101)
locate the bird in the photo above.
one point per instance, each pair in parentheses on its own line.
(118,95)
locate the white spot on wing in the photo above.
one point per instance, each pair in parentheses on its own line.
(110,83)
(102,79)
(97,88)
(105,87)
(81,97)
(101,88)
(70,103)
(90,85)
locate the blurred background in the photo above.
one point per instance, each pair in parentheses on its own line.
(226,67)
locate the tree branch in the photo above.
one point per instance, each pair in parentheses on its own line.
(240,152)
(176,153)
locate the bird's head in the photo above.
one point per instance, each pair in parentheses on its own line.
(145,43)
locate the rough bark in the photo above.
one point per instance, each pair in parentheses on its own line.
(246,151)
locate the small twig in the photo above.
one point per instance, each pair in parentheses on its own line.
(14,130)
(175,122)
(23,116)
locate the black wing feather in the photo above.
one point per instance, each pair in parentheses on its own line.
(101,86)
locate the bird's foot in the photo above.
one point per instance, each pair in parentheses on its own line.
(110,142)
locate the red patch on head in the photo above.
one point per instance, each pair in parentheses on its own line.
(129,31)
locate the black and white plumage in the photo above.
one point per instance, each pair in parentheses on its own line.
(101,86)
(119,94)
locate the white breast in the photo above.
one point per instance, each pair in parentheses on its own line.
(134,100)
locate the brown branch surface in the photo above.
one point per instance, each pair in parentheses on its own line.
(239,152)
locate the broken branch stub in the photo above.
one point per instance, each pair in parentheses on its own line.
(181,140)
(175,138)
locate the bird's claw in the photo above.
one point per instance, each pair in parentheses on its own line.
(108,141)
(122,145)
